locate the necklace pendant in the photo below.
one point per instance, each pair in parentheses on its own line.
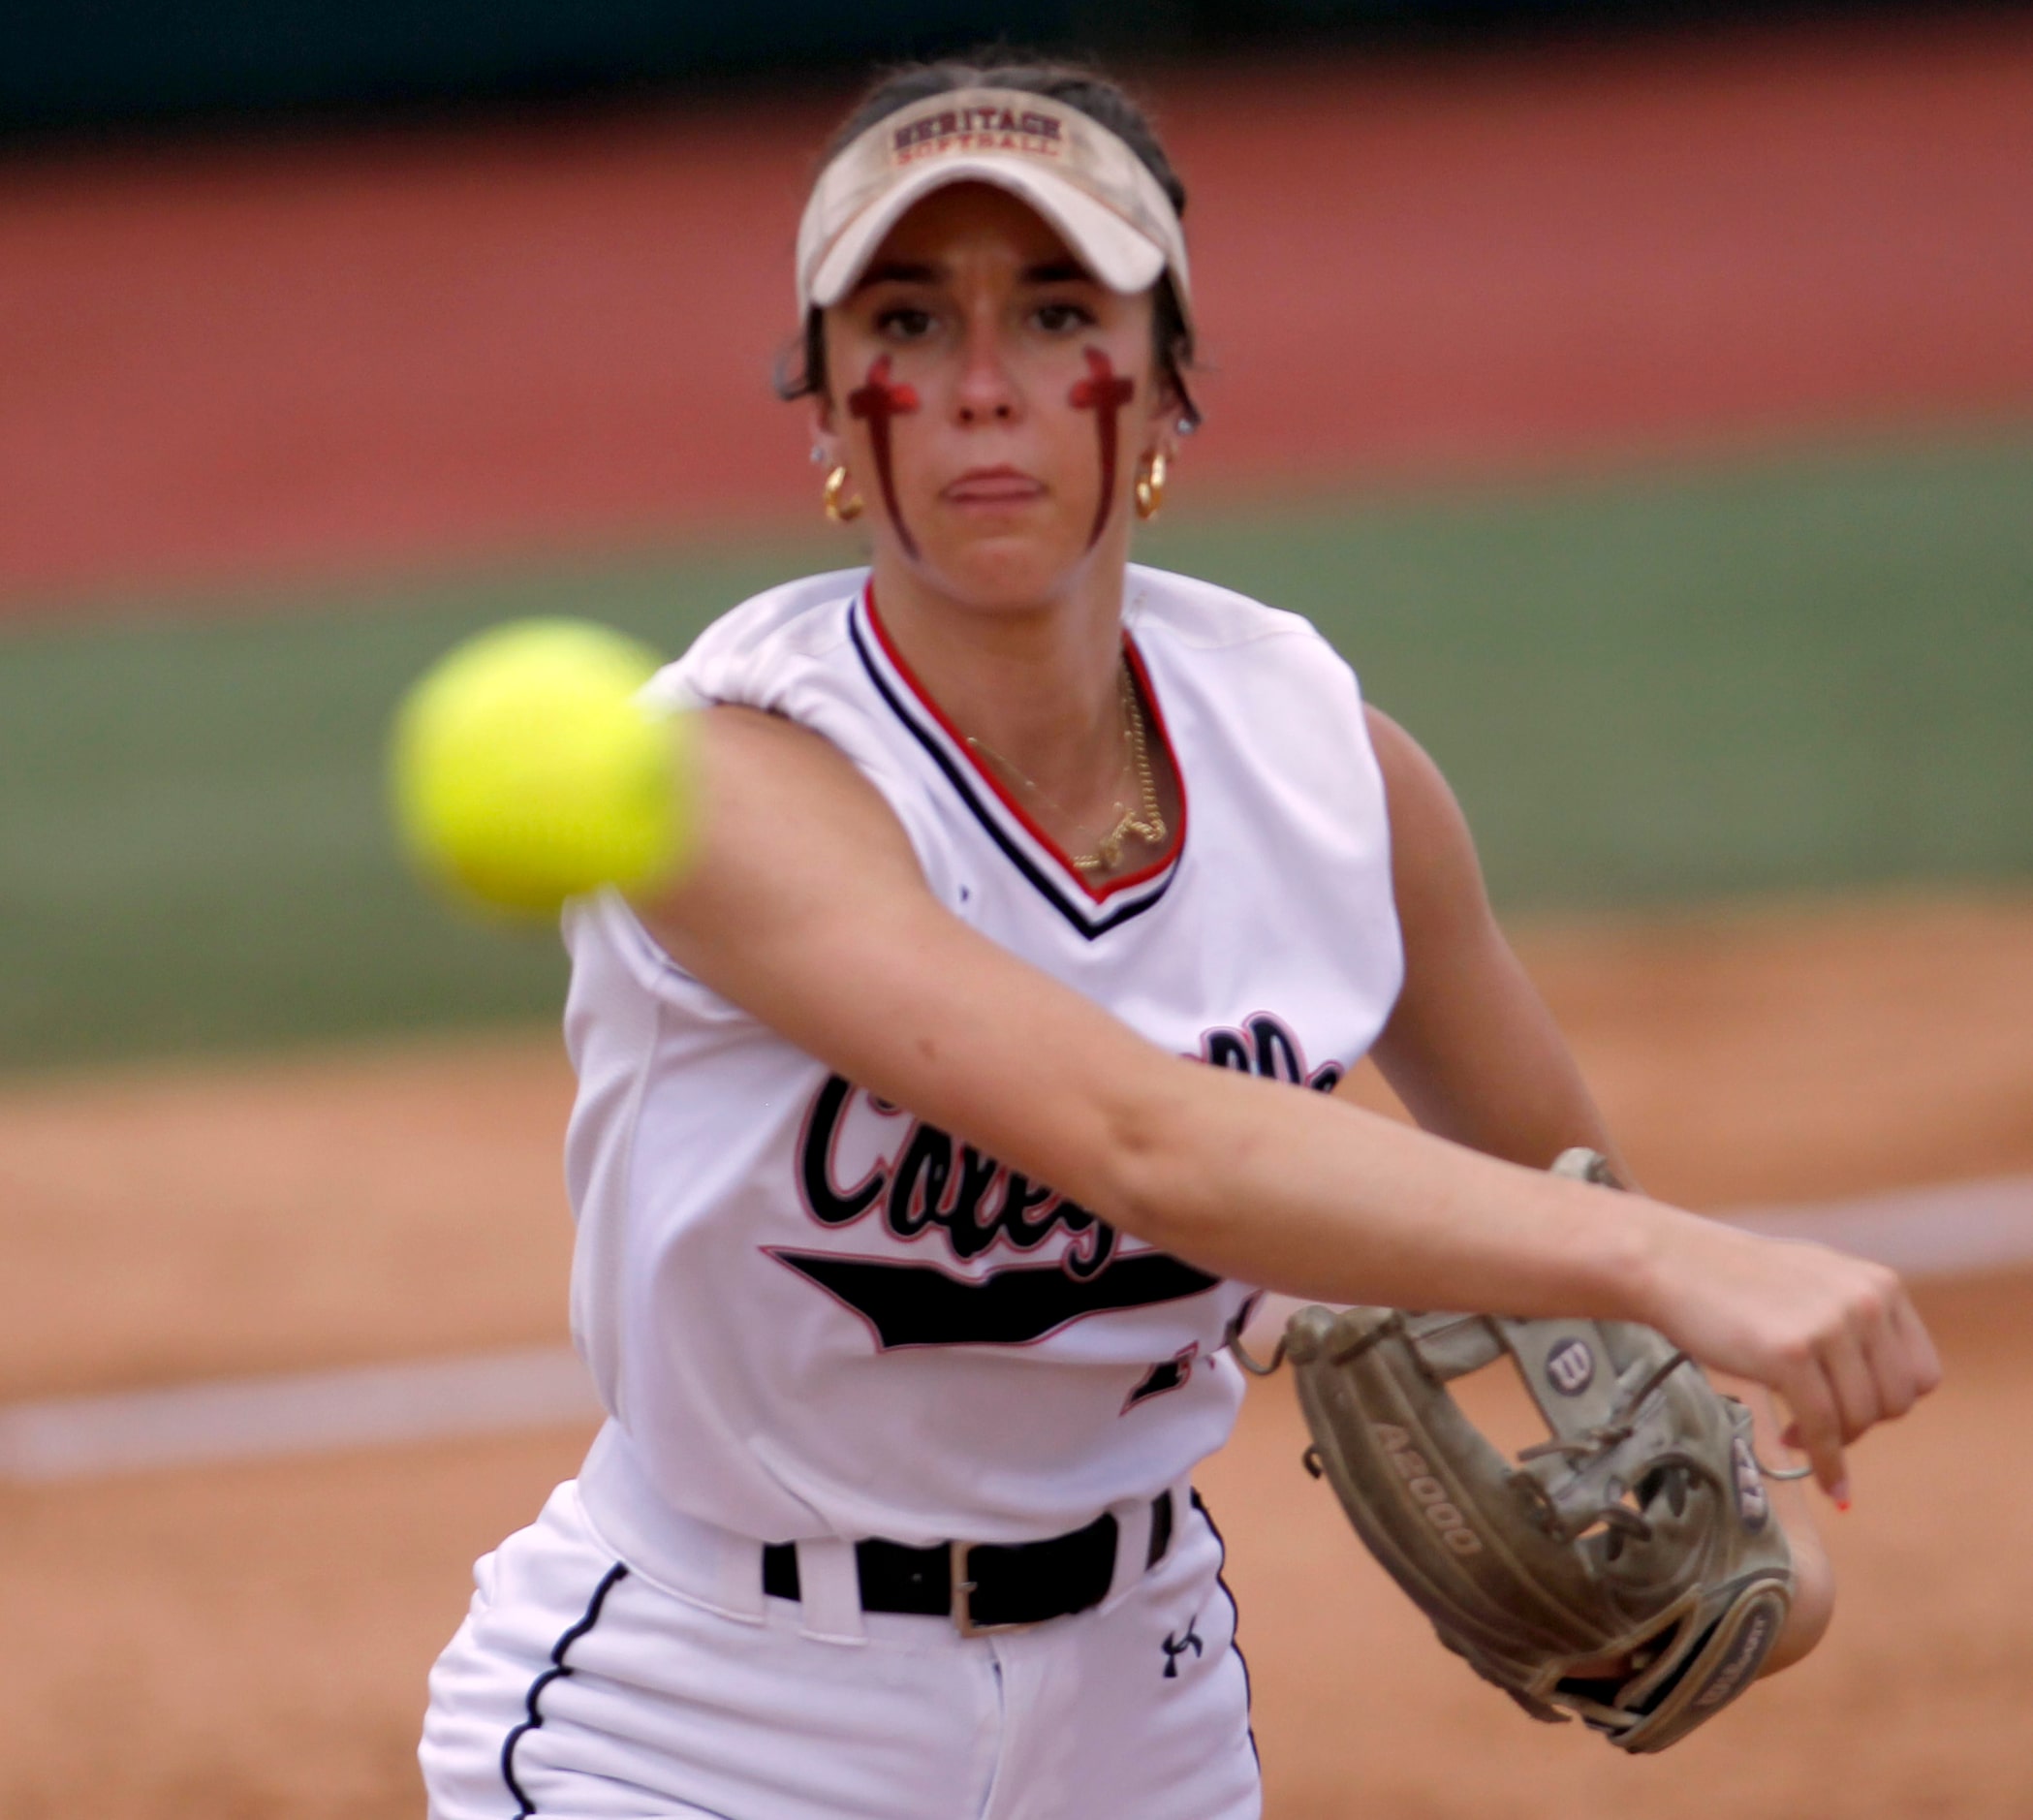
(1142,821)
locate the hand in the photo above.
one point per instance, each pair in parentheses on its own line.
(1837,1339)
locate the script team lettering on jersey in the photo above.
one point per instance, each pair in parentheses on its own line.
(927,1187)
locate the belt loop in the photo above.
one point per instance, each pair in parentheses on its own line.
(1132,1521)
(738,1575)
(830,1590)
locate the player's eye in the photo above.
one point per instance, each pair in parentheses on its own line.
(1060,317)
(903,322)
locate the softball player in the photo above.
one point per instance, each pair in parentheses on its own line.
(934,1137)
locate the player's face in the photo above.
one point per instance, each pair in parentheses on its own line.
(1010,397)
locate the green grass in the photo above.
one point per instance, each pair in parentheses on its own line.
(1802,674)
(1786,676)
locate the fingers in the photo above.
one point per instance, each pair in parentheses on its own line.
(1909,1367)
(1867,1364)
(1836,1337)
(1919,1343)
(1889,1362)
(1816,1428)
(1873,1367)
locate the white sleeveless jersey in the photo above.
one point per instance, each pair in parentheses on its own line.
(810,1313)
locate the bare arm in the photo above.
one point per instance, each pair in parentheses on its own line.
(1476,1056)
(807,909)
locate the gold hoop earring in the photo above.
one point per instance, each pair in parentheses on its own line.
(1150,486)
(840,510)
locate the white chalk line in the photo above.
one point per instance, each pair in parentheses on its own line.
(304,1412)
(1960,1229)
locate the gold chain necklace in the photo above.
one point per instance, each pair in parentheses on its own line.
(1143,818)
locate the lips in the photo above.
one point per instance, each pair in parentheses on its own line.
(993,486)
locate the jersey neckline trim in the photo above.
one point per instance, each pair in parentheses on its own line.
(1034,852)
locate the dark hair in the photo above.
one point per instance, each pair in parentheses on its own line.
(801,371)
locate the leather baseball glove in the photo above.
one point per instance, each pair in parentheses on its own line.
(1628,1571)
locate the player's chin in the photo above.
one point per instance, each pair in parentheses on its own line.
(1006,563)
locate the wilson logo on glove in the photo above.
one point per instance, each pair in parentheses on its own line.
(1570,1368)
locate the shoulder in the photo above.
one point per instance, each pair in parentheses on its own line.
(1204,617)
(790,653)
(1268,675)
(756,650)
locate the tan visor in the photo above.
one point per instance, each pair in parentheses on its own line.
(1090,186)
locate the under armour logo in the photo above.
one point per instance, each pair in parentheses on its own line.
(1177,1646)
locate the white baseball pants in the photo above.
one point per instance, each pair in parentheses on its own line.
(583,1686)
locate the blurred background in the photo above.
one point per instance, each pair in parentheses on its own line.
(1641,396)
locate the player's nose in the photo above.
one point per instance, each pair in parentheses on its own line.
(988,392)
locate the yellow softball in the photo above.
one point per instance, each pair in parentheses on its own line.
(526,768)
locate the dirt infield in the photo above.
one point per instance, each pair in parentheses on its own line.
(246,363)
(251,1641)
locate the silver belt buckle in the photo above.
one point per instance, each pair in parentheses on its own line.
(957,1553)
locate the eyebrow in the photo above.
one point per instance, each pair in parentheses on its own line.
(897,272)
(905,272)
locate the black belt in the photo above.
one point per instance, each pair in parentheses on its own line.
(987,1586)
